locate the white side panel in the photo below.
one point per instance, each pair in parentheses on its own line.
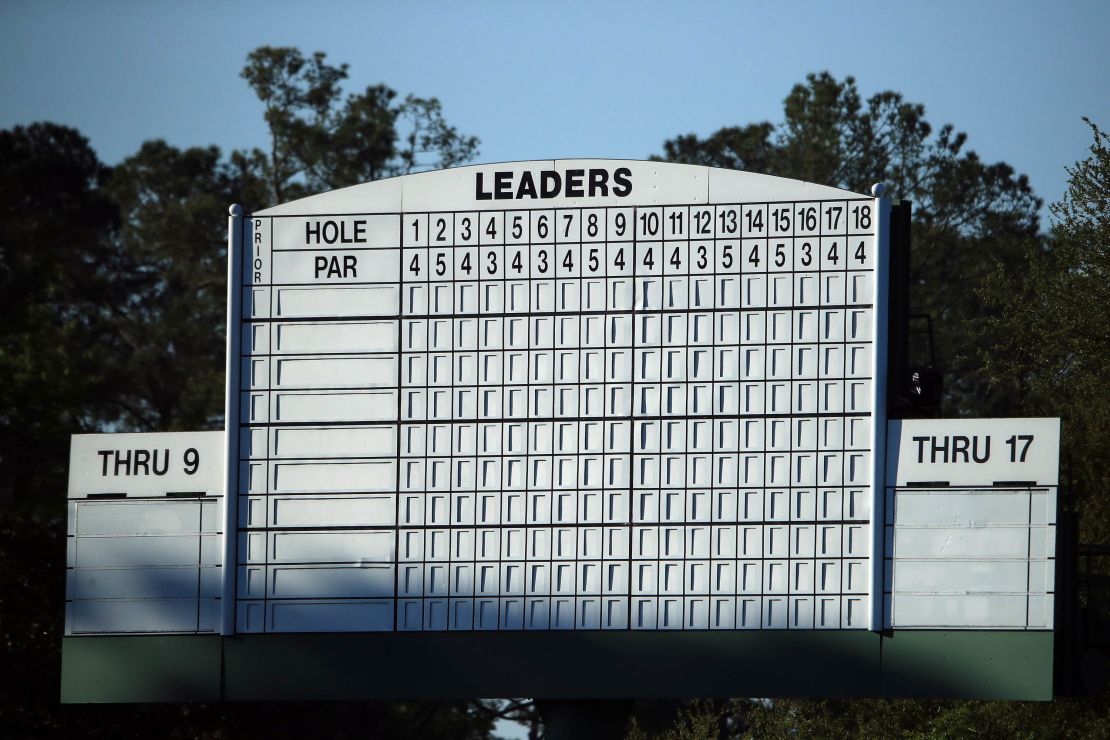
(961,576)
(967,508)
(978,610)
(137,517)
(94,552)
(142,465)
(974,452)
(135,583)
(993,542)
(139,615)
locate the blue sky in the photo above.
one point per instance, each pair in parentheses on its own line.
(568,79)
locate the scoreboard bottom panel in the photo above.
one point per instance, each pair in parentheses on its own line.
(1011,665)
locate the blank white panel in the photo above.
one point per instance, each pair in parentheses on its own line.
(332,582)
(370,300)
(946,543)
(134,583)
(318,547)
(335,372)
(377,441)
(346,336)
(371,475)
(137,517)
(333,616)
(955,576)
(346,511)
(963,508)
(325,407)
(134,615)
(92,552)
(959,610)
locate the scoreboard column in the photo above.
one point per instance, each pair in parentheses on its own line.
(318,424)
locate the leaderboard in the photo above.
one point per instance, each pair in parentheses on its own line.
(572,395)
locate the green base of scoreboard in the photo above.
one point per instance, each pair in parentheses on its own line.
(578,665)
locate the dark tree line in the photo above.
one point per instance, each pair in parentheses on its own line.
(113,288)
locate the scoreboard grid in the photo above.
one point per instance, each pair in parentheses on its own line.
(698,264)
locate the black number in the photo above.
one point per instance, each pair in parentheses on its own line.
(808,217)
(702,221)
(192,460)
(753,257)
(832,255)
(621,224)
(442,224)
(441,264)
(518,227)
(594,263)
(726,257)
(568,260)
(780,255)
(416,230)
(491,227)
(676,222)
(466,263)
(649,260)
(728,221)
(863,217)
(618,261)
(569,219)
(491,258)
(755,221)
(861,253)
(414,266)
(649,223)
(466,230)
(591,225)
(517,264)
(541,226)
(703,257)
(807,254)
(543,262)
(1012,442)
(782,219)
(676,261)
(832,213)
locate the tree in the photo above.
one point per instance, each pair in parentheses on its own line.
(968,214)
(57,275)
(1049,335)
(171,312)
(320,141)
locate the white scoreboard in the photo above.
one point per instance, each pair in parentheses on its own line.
(577,394)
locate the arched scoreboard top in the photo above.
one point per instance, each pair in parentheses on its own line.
(560,183)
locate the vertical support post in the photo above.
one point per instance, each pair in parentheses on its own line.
(231,417)
(876,554)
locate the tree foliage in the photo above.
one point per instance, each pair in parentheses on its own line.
(968,214)
(320,140)
(58,348)
(1048,332)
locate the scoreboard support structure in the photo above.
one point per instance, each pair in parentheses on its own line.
(572,429)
